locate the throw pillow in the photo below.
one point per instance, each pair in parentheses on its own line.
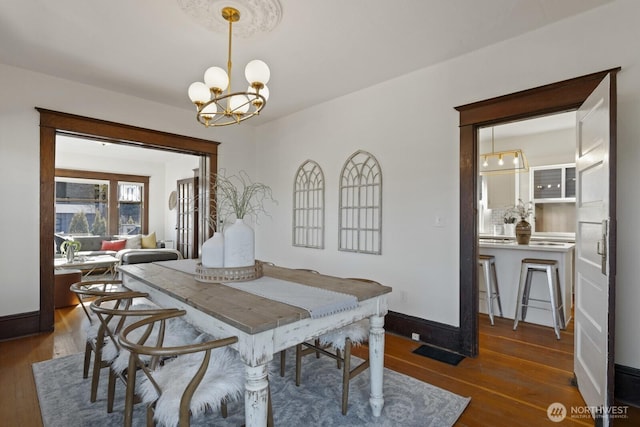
(113,245)
(134,242)
(149,241)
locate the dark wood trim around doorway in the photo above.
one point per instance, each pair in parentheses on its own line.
(553,98)
(558,97)
(51,124)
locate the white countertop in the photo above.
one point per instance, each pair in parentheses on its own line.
(532,246)
(537,236)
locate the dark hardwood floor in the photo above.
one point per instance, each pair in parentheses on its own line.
(511,383)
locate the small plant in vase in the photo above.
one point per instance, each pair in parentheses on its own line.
(69,248)
(237,197)
(509,216)
(522,211)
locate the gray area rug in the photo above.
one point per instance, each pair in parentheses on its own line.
(64,399)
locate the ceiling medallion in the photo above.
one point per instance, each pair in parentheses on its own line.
(258,16)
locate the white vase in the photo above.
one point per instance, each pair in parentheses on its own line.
(239,244)
(510,230)
(212,252)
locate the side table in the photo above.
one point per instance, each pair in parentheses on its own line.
(64,278)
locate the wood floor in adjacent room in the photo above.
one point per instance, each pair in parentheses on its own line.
(512,382)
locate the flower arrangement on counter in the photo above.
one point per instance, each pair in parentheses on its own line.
(520,211)
(509,217)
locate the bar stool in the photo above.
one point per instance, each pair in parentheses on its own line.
(550,267)
(488,264)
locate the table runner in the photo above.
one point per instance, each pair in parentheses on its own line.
(318,302)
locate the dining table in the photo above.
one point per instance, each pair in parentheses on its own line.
(274,312)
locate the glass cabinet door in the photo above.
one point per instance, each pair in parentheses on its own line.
(570,182)
(553,190)
(554,183)
(547,184)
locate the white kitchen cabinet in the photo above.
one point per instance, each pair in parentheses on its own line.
(554,183)
(553,194)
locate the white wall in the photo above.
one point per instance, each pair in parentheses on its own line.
(410,125)
(419,160)
(20,161)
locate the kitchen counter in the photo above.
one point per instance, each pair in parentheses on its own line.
(543,246)
(509,256)
(535,237)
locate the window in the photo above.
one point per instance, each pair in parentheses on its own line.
(81,206)
(308,206)
(360,216)
(130,208)
(94,203)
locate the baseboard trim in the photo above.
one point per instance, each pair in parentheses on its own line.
(627,385)
(433,333)
(17,325)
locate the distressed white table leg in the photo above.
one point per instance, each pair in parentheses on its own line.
(256,396)
(376,363)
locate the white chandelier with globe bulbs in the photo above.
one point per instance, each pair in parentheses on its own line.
(219,108)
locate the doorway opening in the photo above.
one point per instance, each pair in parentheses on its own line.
(558,97)
(53,123)
(545,191)
(136,189)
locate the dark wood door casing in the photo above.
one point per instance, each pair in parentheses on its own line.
(52,123)
(558,97)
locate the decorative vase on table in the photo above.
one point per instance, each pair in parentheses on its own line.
(239,245)
(71,253)
(523,232)
(212,252)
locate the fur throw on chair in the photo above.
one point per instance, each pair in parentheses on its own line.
(358,333)
(177,333)
(224,380)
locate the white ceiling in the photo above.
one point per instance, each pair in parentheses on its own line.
(67,145)
(536,125)
(321,49)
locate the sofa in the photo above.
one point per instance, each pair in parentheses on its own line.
(118,246)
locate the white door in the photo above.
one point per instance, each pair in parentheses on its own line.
(593,357)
